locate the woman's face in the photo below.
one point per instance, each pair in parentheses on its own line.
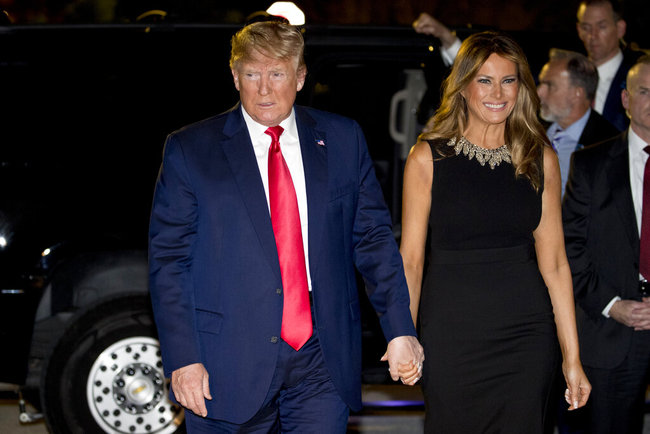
(492,93)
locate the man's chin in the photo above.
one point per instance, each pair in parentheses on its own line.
(547,117)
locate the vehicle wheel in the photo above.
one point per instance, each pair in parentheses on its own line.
(105,375)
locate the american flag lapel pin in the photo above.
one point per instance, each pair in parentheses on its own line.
(319,142)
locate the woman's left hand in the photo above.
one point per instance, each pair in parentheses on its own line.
(578,386)
(410,373)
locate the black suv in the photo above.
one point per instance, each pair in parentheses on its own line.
(84,112)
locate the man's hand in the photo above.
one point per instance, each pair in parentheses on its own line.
(191,388)
(405,356)
(428,25)
(632,313)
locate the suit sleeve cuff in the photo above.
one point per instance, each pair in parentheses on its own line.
(605,311)
(449,54)
(395,323)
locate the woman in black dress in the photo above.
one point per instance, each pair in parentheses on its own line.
(493,291)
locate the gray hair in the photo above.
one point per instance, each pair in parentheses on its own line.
(582,71)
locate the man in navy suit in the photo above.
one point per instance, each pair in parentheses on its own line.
(601,28)
(219,278)
(604,214)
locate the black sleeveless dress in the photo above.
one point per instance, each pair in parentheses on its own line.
(486,319)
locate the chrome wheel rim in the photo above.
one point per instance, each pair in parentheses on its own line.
(126,390)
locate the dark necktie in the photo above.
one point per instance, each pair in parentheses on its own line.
(644,257)
(296,314)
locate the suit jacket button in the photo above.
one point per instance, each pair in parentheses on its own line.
(278,291)
(274,340)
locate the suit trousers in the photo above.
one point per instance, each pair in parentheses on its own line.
(301,399)
(617,401)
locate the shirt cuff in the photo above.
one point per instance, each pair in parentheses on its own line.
(449,54)
(605,311)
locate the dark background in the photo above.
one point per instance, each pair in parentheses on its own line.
(549,15)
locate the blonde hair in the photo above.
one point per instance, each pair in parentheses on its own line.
(524,134)
(273,39)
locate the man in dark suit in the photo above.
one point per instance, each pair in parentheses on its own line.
(567,85)
(606,215)
(438,62)
(253,250)
(601,28)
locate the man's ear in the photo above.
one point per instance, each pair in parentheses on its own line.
(621,26)
(579,92)
(301,75)
(625,99)
(235,77)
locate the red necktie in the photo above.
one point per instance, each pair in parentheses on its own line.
(644,259)
(296,314)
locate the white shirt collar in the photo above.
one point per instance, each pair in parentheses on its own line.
(607,70)
(636,143)
(257,130)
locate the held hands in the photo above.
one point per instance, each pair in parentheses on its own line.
(578,386)
(632,313)
(191,388)
(405,356)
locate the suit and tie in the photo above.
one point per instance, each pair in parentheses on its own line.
(602,242)
(589,129)
(214,272)
(613,110)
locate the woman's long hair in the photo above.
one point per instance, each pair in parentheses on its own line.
(524,134)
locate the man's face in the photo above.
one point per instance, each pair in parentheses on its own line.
(636,100)
(267,87)
(555,92)
(599,31)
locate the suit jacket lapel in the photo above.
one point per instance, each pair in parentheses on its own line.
(591,127)
(619,181)
(240,155)
(313,146)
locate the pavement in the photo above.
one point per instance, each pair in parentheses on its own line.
(388,409)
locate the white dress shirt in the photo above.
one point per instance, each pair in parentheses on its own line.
(606,73)
(637,159)
(449,54)
(290,146)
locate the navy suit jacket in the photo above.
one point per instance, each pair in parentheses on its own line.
(602,244)
(214,273)
(613,110)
